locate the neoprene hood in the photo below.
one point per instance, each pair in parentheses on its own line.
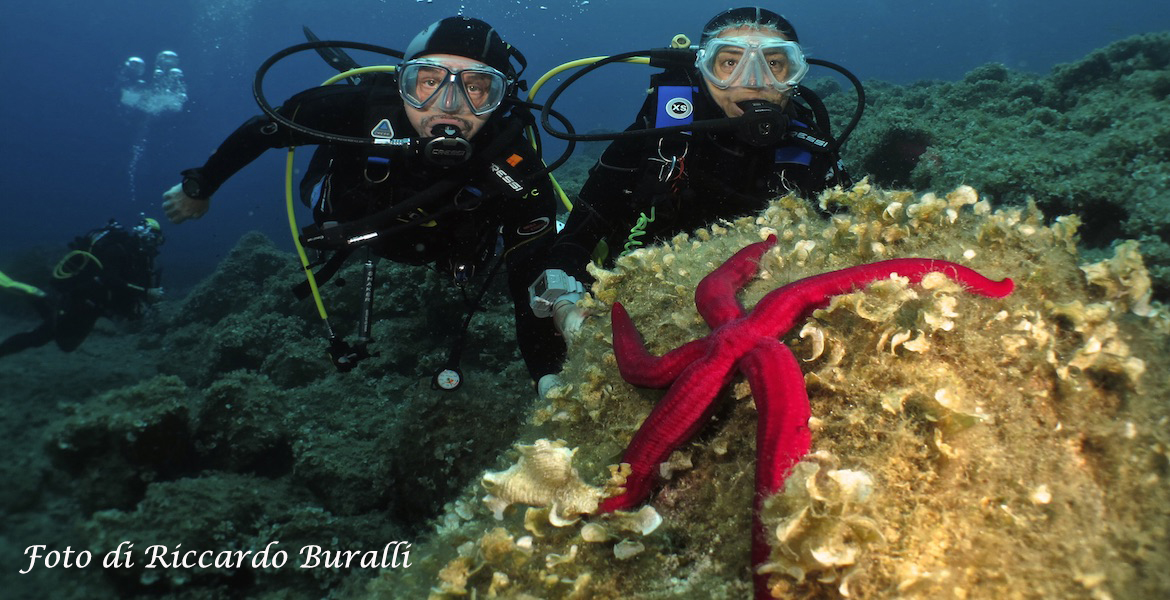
(467,37)
(748,15)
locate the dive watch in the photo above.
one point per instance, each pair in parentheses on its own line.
(193,187)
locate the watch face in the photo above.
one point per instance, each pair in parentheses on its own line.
(191,188)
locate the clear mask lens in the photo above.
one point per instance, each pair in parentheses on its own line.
(752,62)
(480,89)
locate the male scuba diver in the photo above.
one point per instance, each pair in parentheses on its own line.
(652,187)
(448,179)
(108,272)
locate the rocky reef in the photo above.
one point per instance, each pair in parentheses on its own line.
(962,446)
(221,425)
(1089,139)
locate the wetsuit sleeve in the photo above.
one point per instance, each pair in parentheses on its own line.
(824,172)
(606,207)
(529,223)
(335,109)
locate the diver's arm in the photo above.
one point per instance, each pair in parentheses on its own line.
(531,217)
(574,245)
(316,108)
(528,227)
(331,109)
(606,205)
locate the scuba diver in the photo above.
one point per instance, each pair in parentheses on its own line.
(108,272)
(684,163)
(423,164)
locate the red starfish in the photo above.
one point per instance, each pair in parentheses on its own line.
(698,370)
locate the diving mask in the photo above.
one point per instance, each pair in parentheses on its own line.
(450,86)
(149,231)
(752,62)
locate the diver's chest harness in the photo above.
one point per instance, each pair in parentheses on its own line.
(667,179)
(674,103)
(449,175)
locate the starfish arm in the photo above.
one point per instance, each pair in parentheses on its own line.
(636,365)
(715,294)
(782,434)
(674,420)
(779,311)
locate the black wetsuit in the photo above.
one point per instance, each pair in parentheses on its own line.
(716,177)
(108,274)
(489,198)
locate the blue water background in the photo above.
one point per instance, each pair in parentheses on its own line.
(68,143)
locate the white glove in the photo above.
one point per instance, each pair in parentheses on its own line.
(568,317)
(555,294)
(179,206)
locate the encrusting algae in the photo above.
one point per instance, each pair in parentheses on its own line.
(962,446)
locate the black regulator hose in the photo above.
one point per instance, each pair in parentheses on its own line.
(550,167)
(321,136)
(661,57)
(860,89)
(669,58)
(327,137)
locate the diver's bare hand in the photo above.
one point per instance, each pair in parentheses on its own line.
(179,206)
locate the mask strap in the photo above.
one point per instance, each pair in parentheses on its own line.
(515,54)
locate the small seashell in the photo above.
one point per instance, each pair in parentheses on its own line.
(643,522)
(817,337)
(543,477)
(626,549)
(898,339)
(594,533)
(552,560)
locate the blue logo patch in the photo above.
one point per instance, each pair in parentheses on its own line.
(383,129)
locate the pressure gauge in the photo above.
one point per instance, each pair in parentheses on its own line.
(447,379)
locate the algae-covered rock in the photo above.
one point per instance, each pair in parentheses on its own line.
(113,447)
(228,515)
(962,446)
(1089,139)
(246,433)
(240,427)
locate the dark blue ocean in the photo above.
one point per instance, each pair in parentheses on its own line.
(77,153)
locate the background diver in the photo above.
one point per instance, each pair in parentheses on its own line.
(108,272)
